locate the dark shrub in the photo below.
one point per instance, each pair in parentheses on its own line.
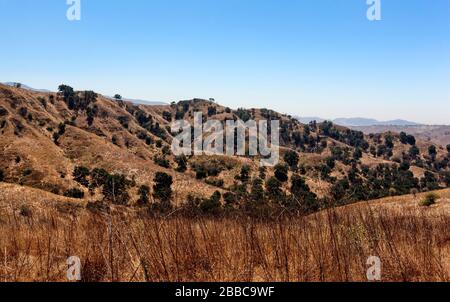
(212,205)
(162,189)
(144,192)
(429,200)
(74,193)
(115,189)
(80,175)
(26,211)
(281,172)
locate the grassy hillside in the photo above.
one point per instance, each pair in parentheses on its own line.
(76,143)
(412,242)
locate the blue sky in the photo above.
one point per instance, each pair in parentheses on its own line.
(305,57)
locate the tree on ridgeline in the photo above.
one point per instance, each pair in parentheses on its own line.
(432,151)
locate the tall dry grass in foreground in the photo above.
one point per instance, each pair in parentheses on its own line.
(330,246)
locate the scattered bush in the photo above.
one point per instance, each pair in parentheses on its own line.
(244,175)
(26,211)
(429,200)
(212,205)
(115,189)
(291,158)
(281,172)
(144,192)
(74,193)
(80,175)
(182,163)
(27,172)
(161,161)
(162,189)
(273,188)
(23,111)
(216,182)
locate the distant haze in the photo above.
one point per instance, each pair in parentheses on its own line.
(359,121)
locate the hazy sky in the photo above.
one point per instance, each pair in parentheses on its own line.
(309,57)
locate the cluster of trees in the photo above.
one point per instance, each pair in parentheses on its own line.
(210,168)
(407,139)
(145,121)
(61,131)
(348,136)
(115,187)
(80,101)
(382,181)
(77,101)
(256,195)
(307,142)
(243,114)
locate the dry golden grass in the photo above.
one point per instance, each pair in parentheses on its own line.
(332,245)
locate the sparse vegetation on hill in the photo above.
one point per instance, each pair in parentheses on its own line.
(75,162)
(110,143)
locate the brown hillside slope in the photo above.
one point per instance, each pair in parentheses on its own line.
(43,139)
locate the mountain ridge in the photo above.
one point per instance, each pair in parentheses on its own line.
(48,138)
(359,121)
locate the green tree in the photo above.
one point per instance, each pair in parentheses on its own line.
(257,190)
(200,172)
(74,193)
(432,151)
(281,172)
(273,188)
(291,158)
(403,138)
(414,151)
(212,205)
(80,175)
(302,194)
(162,189)
(244,175)
(411,140)
(182,163)
(115,189)
(99,177)
(61,128)
(389,141)
(144,192)
(446,179)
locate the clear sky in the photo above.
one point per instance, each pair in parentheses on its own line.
(304,57)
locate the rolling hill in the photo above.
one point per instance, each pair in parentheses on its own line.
(61,142)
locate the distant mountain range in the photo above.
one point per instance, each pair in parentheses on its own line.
(139,102)
(23,86)
(359,122)
(143,102)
